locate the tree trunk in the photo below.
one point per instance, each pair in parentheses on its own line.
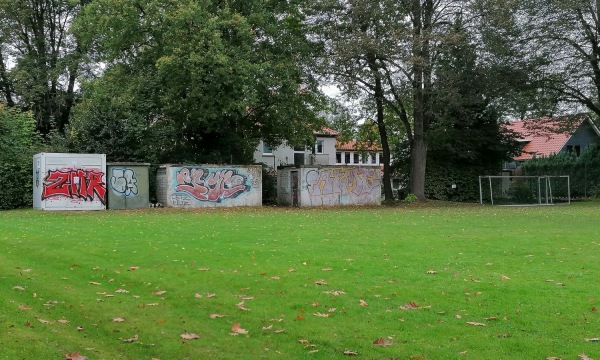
(387,178)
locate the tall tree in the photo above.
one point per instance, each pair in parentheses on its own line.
(39,58)
(213,77)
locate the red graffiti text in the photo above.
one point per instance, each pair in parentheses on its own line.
(213,186)
(75,184)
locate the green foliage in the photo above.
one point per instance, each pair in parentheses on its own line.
(269,186)
(441,177)
(410,198)
(18,143)
(196,81)
(583,170)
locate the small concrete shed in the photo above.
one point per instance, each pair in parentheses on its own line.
(329,185)
(128,186)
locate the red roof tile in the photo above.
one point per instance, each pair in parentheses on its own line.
(354,146)
(544,136)
(326,132)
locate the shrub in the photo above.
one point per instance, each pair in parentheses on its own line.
(18,143)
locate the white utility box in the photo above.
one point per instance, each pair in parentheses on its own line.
(69,181)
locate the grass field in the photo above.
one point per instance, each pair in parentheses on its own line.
(439,281)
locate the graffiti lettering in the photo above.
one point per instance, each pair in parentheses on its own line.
(124,182)
(214,186)
(342,181)
(74,184)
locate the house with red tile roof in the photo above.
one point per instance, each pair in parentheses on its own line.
(548,136)
(326,151)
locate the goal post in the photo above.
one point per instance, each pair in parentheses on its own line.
(524,190)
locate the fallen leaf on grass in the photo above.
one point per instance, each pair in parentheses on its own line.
(303,341)
(161,292)
(382,342)
(43,321)
(94,283)
(20,288)
(118,319)
(318,314)
(122,291)
(335,292)
(431,272)
(292,270)
(236,329)
(210,295)
(216,316)
(152,304)
(554,358)
(189,336)
(24,307)
(132,339)
(409,306)
(350,352)
(320,282)
(279,331)
(363,303)
(475,323)
(313,351)
(491,318)
(62,321)
(80,328)
(504,277)
(75,356)
(592,339)
(268,327)
(327,269)
(203,269)
(241,306)
(133,268)
(585,357)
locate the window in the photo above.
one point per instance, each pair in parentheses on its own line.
(347,158)
(373,158)
(319,147)
(338,157)
(574,149)
(267,150)
(356,158)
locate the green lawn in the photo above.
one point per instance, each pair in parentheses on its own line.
(440,281)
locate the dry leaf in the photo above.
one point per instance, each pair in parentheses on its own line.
(94,283)
(592,339)
(553,358)
(475,323)
(303,341)
(327,269)
(189,336)
(203,269)
(268,327)
(75,356)
(363,303)
(24,307)
(409,306)
(382,342)
(20,288)
(161,292)
(320,282)
(118,319)
(132,339)
(504,277)
(313,351)
(210,295)
(350,352)
(431,272)
(43,321)
(335,292)
(62,321)
(80,328)
(491,318)
(133,268)
(585,357)
(318,314)
(122,291)
(292,270)
(216,316)
(331,310)
(197,296)
(236,329)
(152,304)
(458,316)
(279,331)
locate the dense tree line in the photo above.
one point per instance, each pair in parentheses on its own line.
(204,80)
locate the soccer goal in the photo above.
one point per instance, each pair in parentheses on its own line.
(524,190)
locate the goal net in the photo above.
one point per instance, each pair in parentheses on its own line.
(524,190)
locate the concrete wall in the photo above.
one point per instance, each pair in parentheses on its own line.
(69,181)
(196,186)
(329,185)
(128,186)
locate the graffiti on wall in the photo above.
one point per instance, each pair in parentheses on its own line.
(342,181)
(213,186)
(79,184)
(124,182)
